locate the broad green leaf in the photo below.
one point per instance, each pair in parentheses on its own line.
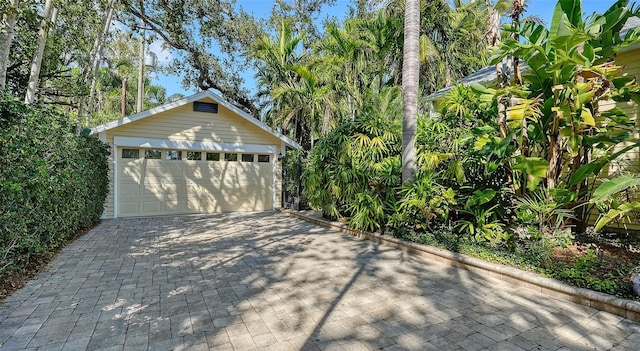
(618,212)
(584,171)
(481,197)
(534,166)
(619,82)
(587,117)
(614,186)
(481,142)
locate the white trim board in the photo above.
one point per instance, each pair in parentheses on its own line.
(115,178)
(192,145)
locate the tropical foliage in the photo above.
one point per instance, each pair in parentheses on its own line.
(310,84)
(521,167)
(53,182)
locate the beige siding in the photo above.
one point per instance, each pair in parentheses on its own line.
(108,206)
(183,124)
(631,62)
(629,162)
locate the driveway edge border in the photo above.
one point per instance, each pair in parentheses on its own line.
(622,307)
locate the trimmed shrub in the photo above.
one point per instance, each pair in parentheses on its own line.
(53,182)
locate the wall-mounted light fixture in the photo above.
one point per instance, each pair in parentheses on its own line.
(109,148)
(280,156)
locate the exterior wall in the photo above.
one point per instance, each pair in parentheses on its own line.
(108,206)
(631,67)
(184,124)
(629,162)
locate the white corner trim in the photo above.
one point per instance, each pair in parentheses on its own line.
(274,180)
(192,145)
(102,136)
(115,178)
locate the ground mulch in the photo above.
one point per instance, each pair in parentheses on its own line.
(616,261)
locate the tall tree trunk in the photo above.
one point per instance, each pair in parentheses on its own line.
(493,39)
(123,97)
(140,97)
(493,27)
(34,74)
(517,8)
(410,80)
(326,120)
(6,38)
(97,59)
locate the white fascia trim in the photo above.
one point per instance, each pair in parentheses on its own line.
(192,145)
(189,99)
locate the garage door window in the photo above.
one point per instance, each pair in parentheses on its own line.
(247,157)
(174,155)
(231,157)
(263,158)
(213,156)
(194,155)
(152,154)
(130,153)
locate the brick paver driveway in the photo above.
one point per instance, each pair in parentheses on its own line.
(268,281)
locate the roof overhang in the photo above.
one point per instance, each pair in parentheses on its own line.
(196,97)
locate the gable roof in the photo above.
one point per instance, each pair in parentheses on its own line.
(488,74)
(198,96)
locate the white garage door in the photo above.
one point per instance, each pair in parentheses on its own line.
(160,181)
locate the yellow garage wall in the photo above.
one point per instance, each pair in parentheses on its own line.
(629,162)
(108,205)
(184,124)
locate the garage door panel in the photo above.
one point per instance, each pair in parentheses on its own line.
(130,171)
(175,170)
(193,188)
(152,207)
(130,190)
(155,190)
(174,206)
(195,173)
(151,178)
(129,208)
(173,188)
(156,187)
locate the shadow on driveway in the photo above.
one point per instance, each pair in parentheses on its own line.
(261,281)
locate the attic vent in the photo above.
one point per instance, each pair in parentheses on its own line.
(205,107)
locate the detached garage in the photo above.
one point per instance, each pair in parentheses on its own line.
(196,155)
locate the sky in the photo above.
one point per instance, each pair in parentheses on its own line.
(262,8)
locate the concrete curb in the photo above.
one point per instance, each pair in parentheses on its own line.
(622,307)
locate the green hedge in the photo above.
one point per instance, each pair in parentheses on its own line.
(53,182)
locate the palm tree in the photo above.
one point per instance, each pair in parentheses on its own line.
(410,81)
(278,60)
